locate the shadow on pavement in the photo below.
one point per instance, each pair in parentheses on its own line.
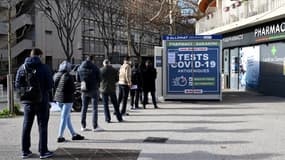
(97,154)
(190,130)
(201,155)
(170,141)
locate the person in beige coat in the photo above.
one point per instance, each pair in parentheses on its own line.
(125,83)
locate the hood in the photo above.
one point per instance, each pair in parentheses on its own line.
(64,66)
(86,64)
(32,62)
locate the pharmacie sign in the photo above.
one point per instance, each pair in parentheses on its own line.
(270,32)
(192,66)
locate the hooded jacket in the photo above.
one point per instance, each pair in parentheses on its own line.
(64,84)
(43,73)
(89,73)
(109,77)
(125,74)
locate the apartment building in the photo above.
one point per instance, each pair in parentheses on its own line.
(31,28)
(253,42)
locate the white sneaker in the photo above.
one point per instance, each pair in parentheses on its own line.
(84,129)
(98,129)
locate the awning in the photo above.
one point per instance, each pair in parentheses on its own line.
(204,4)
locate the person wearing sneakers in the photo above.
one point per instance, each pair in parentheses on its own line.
(108,89)
(36,105)
(89,75)
(64,89)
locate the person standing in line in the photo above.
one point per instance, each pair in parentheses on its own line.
(108,89)
(125,83)
(136,86)
(149,76)
(36,105)
(89,75)
(64,89)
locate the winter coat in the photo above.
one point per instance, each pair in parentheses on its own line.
(149,76)
(43,73)
(125,74)
(109,77)
(136,77)
(64,87)
(89,73)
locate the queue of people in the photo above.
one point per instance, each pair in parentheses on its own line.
(34,83)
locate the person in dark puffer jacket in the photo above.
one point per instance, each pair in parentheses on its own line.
(64,89)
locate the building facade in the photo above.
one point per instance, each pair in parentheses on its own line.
(31,28)
(253,42)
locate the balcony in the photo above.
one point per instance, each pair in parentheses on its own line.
(245,14)
(17,23)
(18,48)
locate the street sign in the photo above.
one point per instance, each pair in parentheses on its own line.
(193,67)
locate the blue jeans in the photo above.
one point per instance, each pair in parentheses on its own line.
(85,101)
(41,110)
(65,119)
(105,98)
(123,95)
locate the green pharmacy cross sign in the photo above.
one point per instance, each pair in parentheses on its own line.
(273,51)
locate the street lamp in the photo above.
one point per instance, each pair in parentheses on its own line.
(9,76)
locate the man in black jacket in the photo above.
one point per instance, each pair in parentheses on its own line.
(32,108)
(89,75)
(149,76)
(109,77)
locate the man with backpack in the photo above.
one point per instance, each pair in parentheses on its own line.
(33,83)
(89,75)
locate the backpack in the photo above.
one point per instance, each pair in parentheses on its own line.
(31,90)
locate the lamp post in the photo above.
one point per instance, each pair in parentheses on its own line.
(9,76)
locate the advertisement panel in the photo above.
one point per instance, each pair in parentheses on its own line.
(192,67)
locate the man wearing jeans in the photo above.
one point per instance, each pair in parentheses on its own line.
(33,107)
(89,75)
(109,77)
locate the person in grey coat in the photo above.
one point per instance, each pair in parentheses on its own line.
(64,89)
(109,77)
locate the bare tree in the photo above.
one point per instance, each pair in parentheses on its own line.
(161,13)
(66,15)
(108,16)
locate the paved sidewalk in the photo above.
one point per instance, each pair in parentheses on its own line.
(244,126)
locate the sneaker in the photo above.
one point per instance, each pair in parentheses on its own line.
(84,129)
(98,129)
(77,137)
(27,155)
(46,155)
(125,114)
(60,139)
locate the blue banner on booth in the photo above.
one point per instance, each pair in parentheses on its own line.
(193,66)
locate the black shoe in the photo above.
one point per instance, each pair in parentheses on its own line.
(156,107)
(120,120)
(143,106)
(77,137)
(46,155)
(27,155)
(125,114)
(108,121)
(60,139)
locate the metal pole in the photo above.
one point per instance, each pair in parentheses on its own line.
(9,76)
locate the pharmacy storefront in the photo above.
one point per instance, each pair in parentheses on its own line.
(254,59)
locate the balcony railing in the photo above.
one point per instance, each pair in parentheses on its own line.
(235,12)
